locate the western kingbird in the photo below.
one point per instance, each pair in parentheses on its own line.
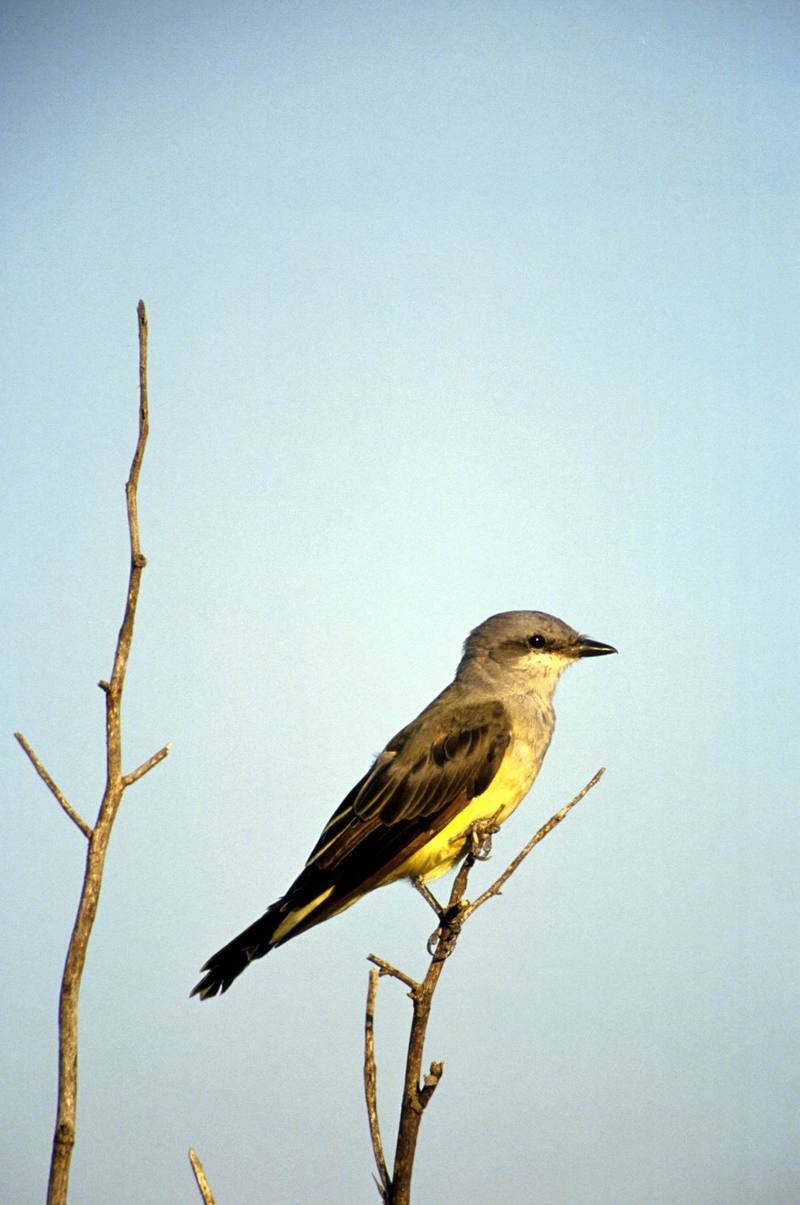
(470,756)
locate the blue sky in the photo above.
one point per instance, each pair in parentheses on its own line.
(454,309)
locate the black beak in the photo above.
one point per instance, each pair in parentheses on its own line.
(593,648)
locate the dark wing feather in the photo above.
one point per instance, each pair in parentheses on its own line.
(421,771)
(424,777)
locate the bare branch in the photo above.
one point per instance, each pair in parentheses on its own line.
(47,780)
(200,1177)
(428,896)
(371,1085)
(534,841)
(116,782)
(386,968)
(128,779)
(138,562)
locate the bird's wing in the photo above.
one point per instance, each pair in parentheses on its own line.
(422,779)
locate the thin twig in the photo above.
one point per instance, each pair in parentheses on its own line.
(538,836)
(386,968)
(200,1177)
(47,780)
(128,779)
(428,896)
(371,1085)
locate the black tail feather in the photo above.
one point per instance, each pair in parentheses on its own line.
(223,967)
(309,900)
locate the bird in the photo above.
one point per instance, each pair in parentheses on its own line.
(470,757)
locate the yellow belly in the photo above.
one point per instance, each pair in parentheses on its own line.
(508,788)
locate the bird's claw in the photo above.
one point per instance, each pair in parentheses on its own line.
(442,939)
(480,839)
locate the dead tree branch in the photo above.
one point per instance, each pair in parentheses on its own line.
(47,780)
(538,836)
(98,837)
(371,1086)
(418,1090)
(200,1177)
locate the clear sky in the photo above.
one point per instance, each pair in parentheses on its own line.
(455,308)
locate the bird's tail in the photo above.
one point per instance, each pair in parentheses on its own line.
(253,942)
(307,902)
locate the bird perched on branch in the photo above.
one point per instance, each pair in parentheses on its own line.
(470,757)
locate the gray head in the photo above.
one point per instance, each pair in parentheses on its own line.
(522,646)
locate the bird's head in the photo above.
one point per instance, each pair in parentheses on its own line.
(525,645)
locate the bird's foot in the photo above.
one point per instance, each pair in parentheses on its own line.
(444,936)
(480,838)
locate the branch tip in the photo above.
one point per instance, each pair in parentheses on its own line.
(140,771)
(386,968)
(200,1177)
(539,835)
(51,786)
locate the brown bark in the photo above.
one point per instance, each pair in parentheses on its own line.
(97,837)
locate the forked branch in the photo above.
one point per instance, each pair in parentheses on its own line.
(97,837)
(418,1090)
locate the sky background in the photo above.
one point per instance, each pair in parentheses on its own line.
(454,309)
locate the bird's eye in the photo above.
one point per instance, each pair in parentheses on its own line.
(536,641)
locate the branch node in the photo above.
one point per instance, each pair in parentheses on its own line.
(430,1083)
(104,686)
(441,942)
